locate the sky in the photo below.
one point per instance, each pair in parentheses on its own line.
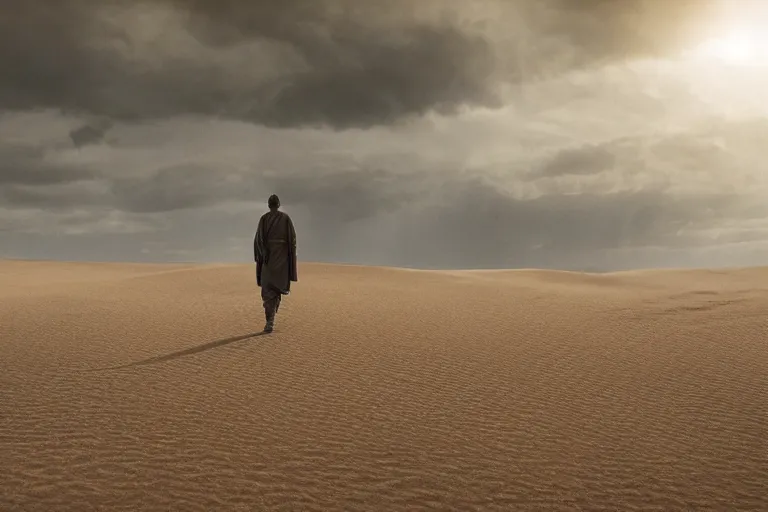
(590,135)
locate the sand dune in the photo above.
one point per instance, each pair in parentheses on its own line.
(141,387)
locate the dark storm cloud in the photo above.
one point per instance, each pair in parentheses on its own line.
(332,62)
(348,72)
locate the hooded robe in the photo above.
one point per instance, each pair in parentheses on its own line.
(274,248)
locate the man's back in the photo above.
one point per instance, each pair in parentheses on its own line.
(274,248)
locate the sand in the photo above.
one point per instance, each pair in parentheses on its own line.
(142,387)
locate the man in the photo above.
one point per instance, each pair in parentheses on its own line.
(274,249)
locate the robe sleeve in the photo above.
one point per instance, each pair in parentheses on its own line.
(258,243)
(292,244)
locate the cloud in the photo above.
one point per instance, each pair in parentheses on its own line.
(171,188)
(31,165)
(333,63)
(91,133)
(280,66)
(584,160)
(340,197)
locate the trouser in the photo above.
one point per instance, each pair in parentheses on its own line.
(271,299)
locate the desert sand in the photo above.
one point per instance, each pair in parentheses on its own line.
(143,387)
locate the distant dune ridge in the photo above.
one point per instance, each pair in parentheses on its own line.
(144,387)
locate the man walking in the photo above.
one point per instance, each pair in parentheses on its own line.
(274,250)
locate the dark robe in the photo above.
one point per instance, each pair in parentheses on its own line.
(274,250)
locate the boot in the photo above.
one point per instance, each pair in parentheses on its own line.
(269,313)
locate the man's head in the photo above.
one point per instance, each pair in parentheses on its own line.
(273,202)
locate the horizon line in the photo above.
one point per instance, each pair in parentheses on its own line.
(394,267)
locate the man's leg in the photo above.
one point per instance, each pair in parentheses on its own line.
(269,296)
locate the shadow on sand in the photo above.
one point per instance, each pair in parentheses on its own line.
(186,352)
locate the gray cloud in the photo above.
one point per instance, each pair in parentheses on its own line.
(27,165)
(292,63)
(585,160)
(31,177)
(91,133)
(340,197)
(171,188)
(477,225)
